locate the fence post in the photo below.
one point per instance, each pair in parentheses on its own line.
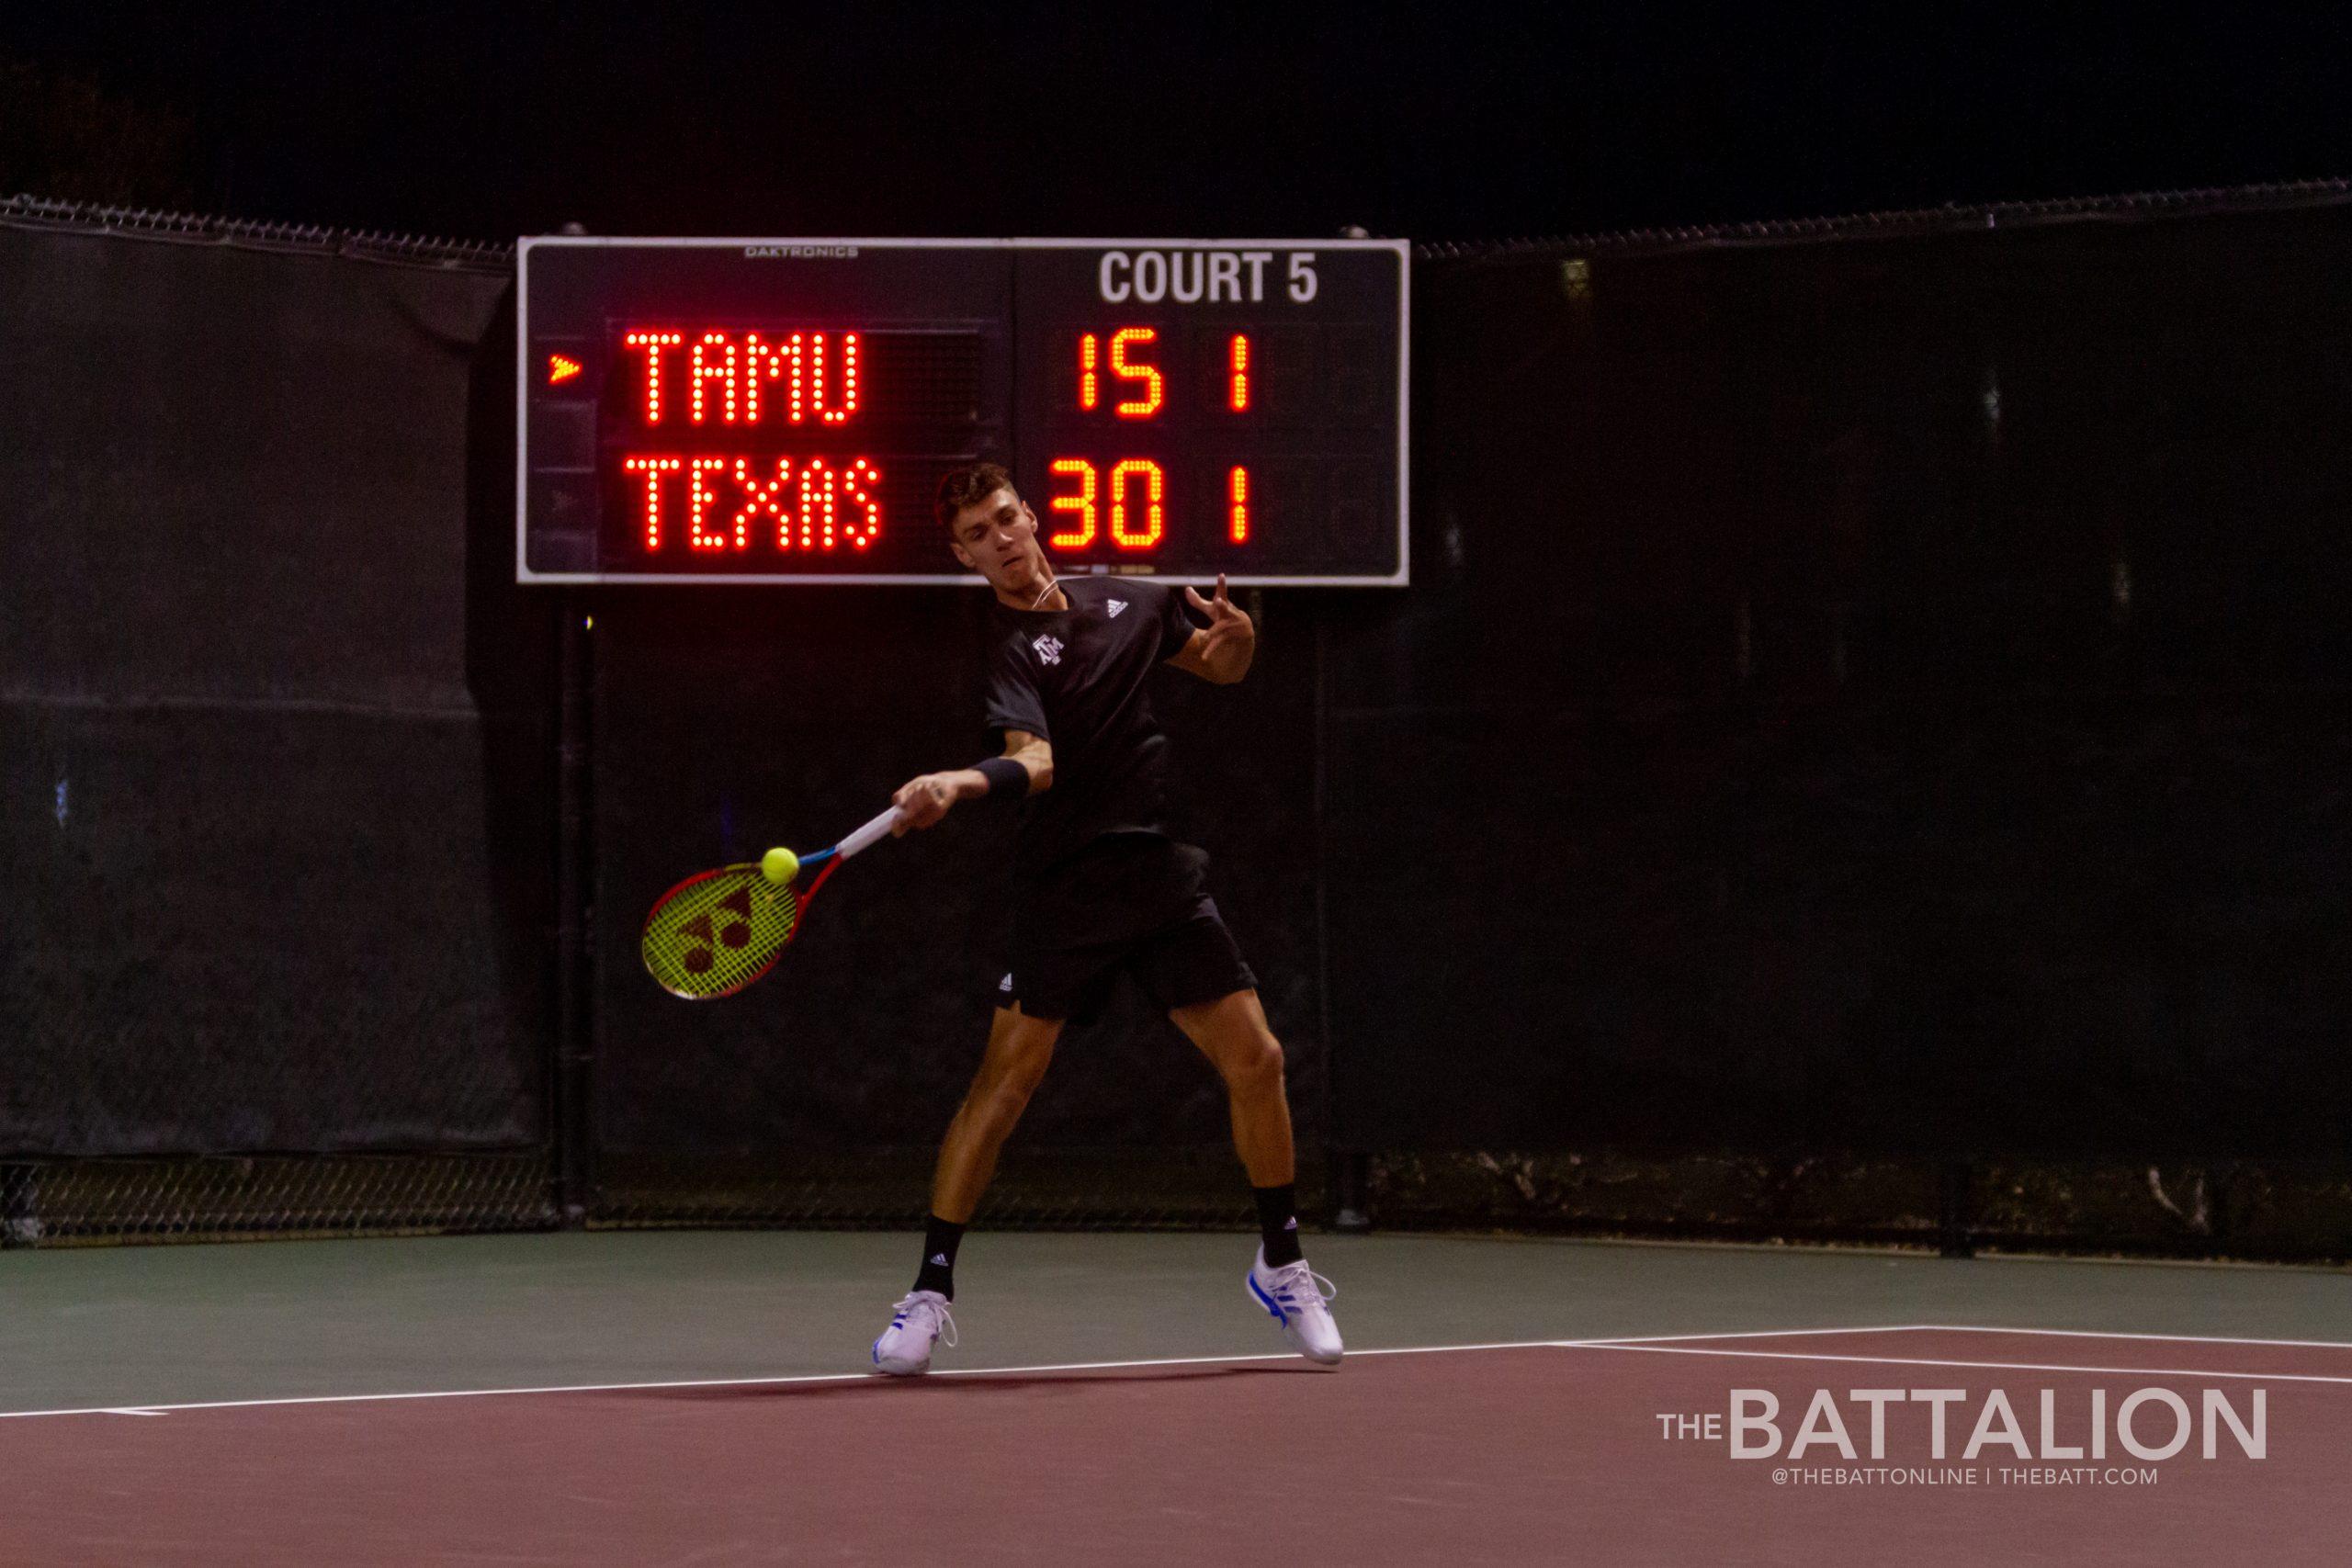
(1349,1167)
(575,917)
(19,1205)
(1953,1223)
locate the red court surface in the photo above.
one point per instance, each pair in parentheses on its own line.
(1522,1455)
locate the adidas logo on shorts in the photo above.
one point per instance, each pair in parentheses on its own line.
(1117,605)
(1005,984)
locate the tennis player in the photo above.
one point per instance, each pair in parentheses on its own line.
(1100,886)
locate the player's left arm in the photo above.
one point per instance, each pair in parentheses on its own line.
(1219,652)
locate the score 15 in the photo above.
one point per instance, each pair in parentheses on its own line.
(1139,486)
(1126,344)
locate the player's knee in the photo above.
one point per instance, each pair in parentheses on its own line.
(1019,1068)
(995,1105)
(1256,1066)
(1022,1079)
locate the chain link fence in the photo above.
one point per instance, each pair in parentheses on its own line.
(93,1201)
(149,674)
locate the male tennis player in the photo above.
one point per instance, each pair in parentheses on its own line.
(1099,886)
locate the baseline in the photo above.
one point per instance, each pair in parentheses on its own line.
(806,1378)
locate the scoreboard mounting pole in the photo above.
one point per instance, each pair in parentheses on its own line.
(782,411)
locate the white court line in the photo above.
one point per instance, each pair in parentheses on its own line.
(1966,1328)
(1654,1349)
(1742,1334)
(1662,1344)
(2110,1334)
(876,1378)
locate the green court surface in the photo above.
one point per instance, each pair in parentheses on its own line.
(135,1327)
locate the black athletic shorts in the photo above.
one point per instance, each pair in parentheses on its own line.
(1131,902)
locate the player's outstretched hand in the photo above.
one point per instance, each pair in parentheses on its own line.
(923,801)
(1221,611)
(1229,639)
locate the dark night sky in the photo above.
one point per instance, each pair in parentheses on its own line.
(1435,121)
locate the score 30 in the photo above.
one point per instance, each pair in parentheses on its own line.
(1134,493)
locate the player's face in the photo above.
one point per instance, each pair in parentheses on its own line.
(997,538)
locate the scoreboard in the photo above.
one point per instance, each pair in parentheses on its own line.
(782,411)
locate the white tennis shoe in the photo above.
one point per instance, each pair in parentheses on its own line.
(916,1320)
(1297,1297)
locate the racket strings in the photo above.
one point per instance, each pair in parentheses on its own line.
(720,933)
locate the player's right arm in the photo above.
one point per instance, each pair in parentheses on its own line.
(1015,710)
(1034,752)
(923,800)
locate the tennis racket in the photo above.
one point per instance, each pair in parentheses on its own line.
(718,931)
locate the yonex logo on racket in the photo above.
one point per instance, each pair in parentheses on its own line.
(1049,649)
(702,938)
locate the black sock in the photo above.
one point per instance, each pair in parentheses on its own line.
(1278,1223)
(938,1272)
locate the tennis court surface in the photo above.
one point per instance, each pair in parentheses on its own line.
(696,1398)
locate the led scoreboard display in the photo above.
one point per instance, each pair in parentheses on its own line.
(782,411)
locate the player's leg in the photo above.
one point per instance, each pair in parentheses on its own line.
(1232,1032)
(1019,1049)
(1192,967)
(1196,971)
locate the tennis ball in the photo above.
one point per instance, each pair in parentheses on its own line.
(779,865)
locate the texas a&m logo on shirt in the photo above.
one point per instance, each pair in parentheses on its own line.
(1049,649)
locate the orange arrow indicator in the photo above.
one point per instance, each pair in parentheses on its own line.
(560,368)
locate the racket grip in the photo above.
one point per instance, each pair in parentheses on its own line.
(866,835)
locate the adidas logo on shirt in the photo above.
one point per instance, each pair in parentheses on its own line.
(1117,605)
(1005,984)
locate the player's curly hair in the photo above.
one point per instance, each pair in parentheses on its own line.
(966,486)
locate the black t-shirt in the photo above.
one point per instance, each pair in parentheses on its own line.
(1077,678)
